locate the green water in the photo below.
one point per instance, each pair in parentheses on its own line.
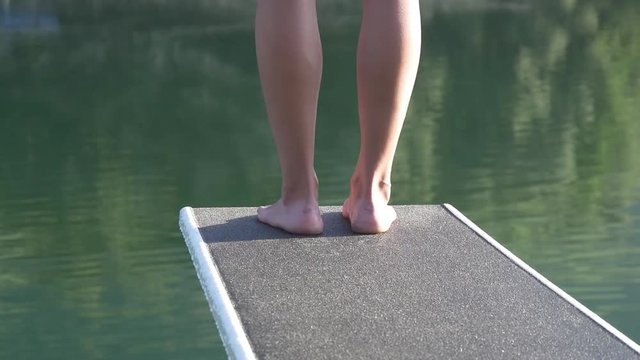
(525,116)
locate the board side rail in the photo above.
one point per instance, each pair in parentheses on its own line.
(546,282)
(235,340)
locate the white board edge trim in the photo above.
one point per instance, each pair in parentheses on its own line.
(553,287)
(232,333)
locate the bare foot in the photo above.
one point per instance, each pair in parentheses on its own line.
(298,217)
(369,214)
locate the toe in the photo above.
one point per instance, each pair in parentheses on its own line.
(263,214)
(345,209)
(392,214)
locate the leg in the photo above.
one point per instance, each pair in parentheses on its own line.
(388,56)
(290,64)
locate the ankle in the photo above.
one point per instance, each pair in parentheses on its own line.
(301,192)
(371,189)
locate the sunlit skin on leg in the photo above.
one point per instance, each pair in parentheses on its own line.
(290,63)
(388,56)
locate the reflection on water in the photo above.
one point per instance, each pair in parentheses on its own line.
(524,117)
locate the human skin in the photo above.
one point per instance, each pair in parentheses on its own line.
(290,63)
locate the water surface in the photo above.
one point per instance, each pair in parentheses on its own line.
(114,115)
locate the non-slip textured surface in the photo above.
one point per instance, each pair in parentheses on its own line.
(429,288)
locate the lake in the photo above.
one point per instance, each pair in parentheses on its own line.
(114,114)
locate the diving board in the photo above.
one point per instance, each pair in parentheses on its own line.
(434,286)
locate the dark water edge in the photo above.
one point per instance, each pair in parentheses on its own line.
(114,115)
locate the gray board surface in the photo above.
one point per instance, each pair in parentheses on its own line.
(431,287)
